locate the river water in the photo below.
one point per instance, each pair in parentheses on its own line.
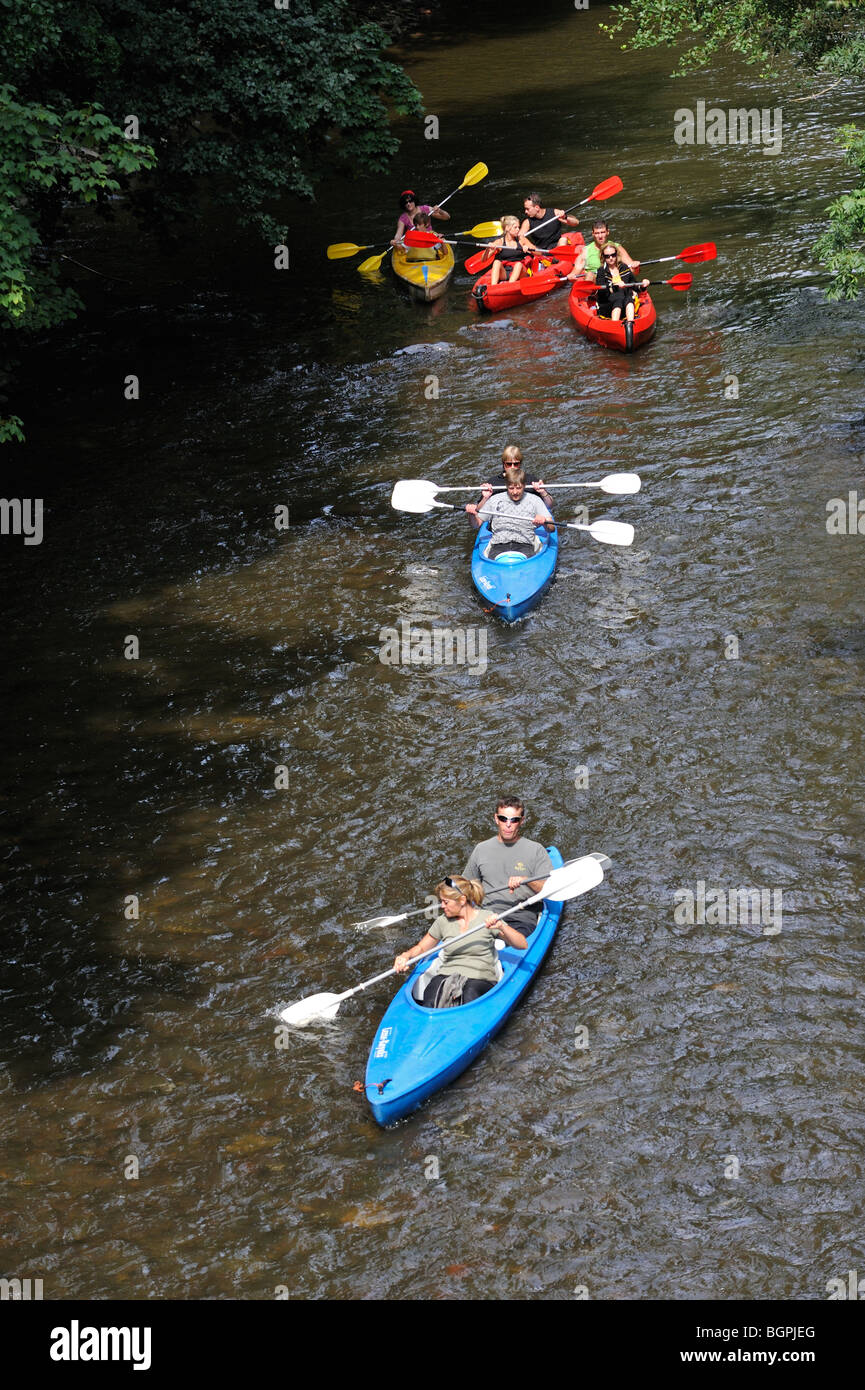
(691,706)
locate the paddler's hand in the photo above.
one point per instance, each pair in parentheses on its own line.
(402,963)
(494,924)
(540,521)
(472,508)
(486,492)
(635,266)
(644,284)
(515,881)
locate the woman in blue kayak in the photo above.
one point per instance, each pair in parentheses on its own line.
(463,973)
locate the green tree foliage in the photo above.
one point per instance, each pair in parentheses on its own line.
(47,158)
(261,98)
(822,35)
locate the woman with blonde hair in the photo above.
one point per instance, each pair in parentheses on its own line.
(513,250)
(464,972)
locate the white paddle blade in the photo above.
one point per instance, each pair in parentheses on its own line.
(573,879)
(603,859)
(414,495)
(317,1006)
(382,921)
(612,532)
(609,532)
(621,483)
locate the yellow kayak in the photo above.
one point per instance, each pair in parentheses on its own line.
(424,276)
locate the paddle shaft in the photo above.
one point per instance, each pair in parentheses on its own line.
(570,209)
(475,169)
(416,912)
(500,487)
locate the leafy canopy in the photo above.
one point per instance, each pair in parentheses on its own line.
(260,98)
(823,35)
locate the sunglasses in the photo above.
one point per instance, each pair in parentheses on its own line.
(509,820)
(609,255)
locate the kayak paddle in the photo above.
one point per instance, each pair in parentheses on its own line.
(483,229)
(482,260)
(340,249)
(608,188)
(418,495)
(373,262)
(584,289)
(409,496)
(703,251)
(402,916)
(572,879)
(474,175)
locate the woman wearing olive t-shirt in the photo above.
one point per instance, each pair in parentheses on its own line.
(476,960)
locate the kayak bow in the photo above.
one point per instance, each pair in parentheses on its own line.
(514,583)
(425,279)
(621,335)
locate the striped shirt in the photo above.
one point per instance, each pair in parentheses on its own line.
(515,521)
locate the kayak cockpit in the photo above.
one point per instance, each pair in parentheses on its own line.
(510,557)
(419,985)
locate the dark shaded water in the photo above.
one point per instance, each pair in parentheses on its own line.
(607,1167)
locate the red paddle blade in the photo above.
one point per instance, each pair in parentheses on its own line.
(537,286)
(584,289)
(415,237)
(562,253)
(482,260)
(608,189)
(680,282)
(704,251)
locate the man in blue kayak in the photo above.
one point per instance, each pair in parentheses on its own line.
(513,516)
(509,859)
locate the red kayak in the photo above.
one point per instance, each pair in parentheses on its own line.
(621,335)
(541,275)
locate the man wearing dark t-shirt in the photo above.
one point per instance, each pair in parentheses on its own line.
(549,236)
(507,858)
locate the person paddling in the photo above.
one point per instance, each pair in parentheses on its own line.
(589,259)
(617,286)
(546,237)
(507,858)
(512,461)
(409,205)
(514,248)
(513,516)
(466,972)
(422,223)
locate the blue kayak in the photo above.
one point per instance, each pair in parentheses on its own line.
(513,583)
(416,1051)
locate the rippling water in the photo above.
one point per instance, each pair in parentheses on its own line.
(609,1166)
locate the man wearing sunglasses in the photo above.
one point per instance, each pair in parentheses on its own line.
(507,858)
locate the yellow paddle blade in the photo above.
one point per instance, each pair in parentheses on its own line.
(340,249)
(372,262)
(474,175)
(483,229)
